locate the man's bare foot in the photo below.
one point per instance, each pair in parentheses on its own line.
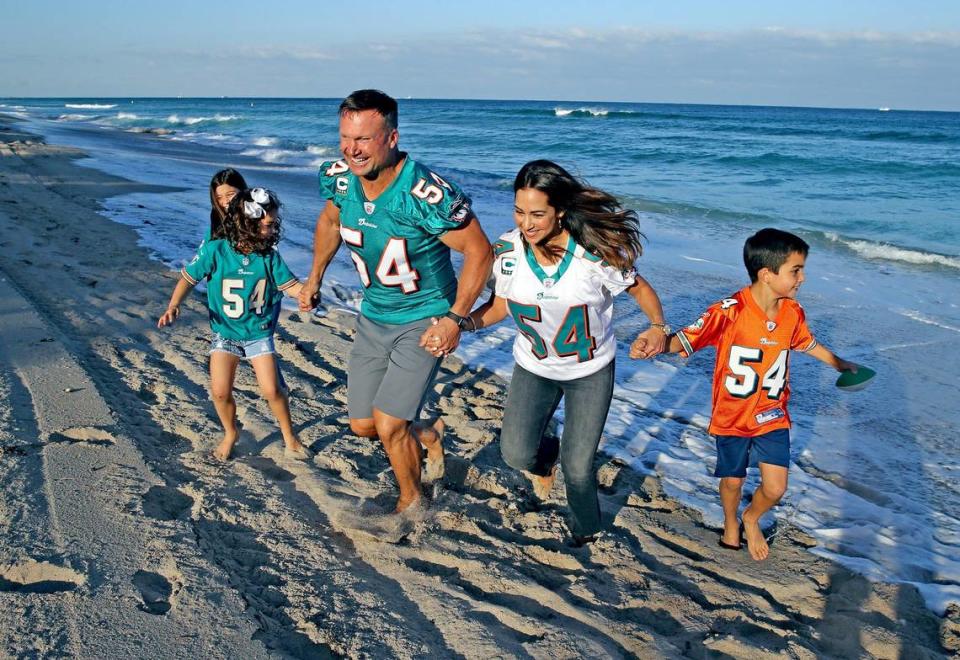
(225,448)
(297,451)
(431,437)
(411,506)
(543,485)
(756,544)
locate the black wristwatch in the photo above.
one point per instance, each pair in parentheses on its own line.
(461,321)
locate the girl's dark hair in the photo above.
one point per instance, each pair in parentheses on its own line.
(229,177)
(242,228)
(594,218)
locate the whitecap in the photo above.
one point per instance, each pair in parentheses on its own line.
(887,252)
(89,106)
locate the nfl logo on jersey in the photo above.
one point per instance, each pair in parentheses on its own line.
(369,207)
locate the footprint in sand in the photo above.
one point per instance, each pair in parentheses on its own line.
(165,503)
(155,591)
(270,469)
(33,577)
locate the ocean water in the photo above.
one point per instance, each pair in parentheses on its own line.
(875,193)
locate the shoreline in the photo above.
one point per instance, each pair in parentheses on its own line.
(259,546)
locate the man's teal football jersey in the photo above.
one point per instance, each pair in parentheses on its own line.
(405,269)
(244,290)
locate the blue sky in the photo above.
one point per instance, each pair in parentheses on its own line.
(842,53)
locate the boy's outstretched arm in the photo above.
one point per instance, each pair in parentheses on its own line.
(826,356)
(181,291)
(673,344)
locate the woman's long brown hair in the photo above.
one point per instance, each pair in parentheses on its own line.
(594,218)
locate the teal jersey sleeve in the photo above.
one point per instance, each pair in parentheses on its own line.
(334,181)
(202,264)
(442,204)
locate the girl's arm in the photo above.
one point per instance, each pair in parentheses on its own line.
(489,313)
(826,356)
(181,291)
(294,290)
(653,340)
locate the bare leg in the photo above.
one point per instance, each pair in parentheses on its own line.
(431,437)
(265,367)
(731,489)
(773,484)
(223,370)
(403,450)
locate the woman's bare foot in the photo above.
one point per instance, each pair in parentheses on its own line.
(543,485)
(225,448)
(431,437)
(756,544)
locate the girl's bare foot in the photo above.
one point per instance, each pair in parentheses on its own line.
(297,451)
(431,437)
(225,448)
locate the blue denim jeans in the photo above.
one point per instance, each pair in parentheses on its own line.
(531,402)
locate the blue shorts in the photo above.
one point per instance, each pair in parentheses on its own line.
(734,452)
(247,350)
(242,349)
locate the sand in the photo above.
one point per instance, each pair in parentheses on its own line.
(122,538)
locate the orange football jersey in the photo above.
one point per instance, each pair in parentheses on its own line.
(751,376)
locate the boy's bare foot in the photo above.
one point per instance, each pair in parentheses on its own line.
(756,544)
(543,485)
(297,451)
(225,448)
(431,437)
(732,540)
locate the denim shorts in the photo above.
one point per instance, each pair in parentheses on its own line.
(734,452)
(242,349)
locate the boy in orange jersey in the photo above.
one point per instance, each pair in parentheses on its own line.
(754,332)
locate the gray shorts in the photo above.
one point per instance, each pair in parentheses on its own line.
(389,370)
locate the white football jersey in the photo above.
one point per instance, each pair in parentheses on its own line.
(564,318)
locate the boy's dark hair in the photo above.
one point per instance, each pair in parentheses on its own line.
(770,248)
(371,99)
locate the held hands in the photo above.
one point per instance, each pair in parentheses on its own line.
(441,338)
(648,343)
(169,316)
(309,296)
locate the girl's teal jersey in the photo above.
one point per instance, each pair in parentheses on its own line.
(244,291)
(395,239)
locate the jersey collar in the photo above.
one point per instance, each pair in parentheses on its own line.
(550,280)
(390,190)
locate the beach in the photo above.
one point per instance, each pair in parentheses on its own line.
(123,538)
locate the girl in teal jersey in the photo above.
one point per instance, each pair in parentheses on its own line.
(224,186)
(247,280)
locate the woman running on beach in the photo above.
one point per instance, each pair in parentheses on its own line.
(224,186)
(556,274)
(247,280)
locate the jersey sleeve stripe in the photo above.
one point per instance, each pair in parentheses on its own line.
(502,247)
(812,345)
(288,284)
(685,343)
(185,275)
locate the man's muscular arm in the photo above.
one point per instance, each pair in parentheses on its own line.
(326,242)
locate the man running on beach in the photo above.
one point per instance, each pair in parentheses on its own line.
(400,220)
